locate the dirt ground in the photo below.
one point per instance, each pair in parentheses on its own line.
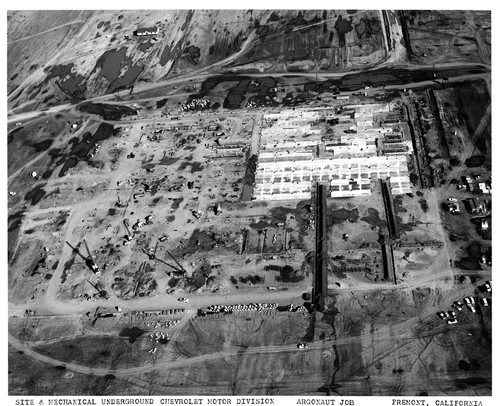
(154,173)
(97,53)
(367,343)
(221,248)
(430,31)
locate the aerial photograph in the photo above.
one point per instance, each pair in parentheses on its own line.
(249,202)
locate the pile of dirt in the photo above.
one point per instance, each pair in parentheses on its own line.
(421,297)
(161,103)
(81,149)
(287,273)
(107,111)
(208,240)
(195,166)
(130,283)
(475,161)
(132,333)
(198,278)
(261,91)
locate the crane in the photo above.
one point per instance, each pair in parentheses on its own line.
(177,262)
(129,236)
(102,293)
(152,256)
(89,261)
(119,203)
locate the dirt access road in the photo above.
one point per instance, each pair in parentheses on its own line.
(202,74)
(49,305)
(407,333)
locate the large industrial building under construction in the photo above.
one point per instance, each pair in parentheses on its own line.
(343,147)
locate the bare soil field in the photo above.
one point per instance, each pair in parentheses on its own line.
(459,36)
(138,262)
(367,343)
(96,52)
(54,380)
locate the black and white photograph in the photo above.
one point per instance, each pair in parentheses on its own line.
(249,202)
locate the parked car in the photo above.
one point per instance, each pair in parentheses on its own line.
(457,305)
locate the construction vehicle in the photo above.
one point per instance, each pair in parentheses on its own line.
(152,256)
(129,236)
(120,204)
(89,260)
(217,209)
(177,262)
(102,293)
(151,252)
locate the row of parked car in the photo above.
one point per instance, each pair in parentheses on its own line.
(450,317)
(239,308)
